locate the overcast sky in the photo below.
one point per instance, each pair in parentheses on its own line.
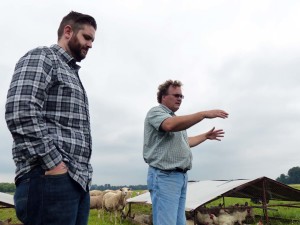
(239,56)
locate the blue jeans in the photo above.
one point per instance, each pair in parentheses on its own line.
(168,195)
(50,200)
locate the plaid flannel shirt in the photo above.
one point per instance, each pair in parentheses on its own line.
(47,114)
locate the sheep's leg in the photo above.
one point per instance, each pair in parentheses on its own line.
(121,217)
(116,213)
(110,216)
(98,210)
(103,213)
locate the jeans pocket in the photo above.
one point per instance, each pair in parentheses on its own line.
(150,181)
(21,199)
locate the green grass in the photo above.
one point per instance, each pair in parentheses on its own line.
(293,214)
(297,186)
(6,213)
(135,209)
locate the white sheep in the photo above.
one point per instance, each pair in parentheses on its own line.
(95,192)
(224,218)
(96,199)
(114,202)
(126,207)
(143,219)
(204,218)
(96,202)
(241,214)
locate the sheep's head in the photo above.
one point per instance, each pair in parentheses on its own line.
(125,190)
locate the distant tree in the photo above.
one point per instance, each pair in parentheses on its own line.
(282,178)
(10,187)
(293,176)
(108,186)
(7,187)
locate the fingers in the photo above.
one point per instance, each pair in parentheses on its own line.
(59,169)
(218,131)
(223,114)
(216,113)
(212,130)
(215,134)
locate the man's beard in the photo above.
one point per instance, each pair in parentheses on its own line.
(75,49)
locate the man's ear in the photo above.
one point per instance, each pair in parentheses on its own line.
(68,32)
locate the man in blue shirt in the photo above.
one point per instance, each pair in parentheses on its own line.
(167,151)
(47,113)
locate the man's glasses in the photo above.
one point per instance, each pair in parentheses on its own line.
(177,95)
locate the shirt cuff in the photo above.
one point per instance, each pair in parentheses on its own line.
(51,160)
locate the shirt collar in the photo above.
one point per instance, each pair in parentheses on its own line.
(167,110)
(65,56)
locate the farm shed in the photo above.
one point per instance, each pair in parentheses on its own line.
(200,193)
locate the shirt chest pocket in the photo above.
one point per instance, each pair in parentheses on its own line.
(67,85)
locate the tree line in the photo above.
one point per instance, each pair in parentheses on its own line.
(11,188)
(292,177)
(111,187)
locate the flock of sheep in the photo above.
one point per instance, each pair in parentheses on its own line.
(112,201)
(220,216)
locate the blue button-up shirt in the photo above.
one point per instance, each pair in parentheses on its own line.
(47,114)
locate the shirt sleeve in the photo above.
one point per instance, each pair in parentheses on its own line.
(24,110)
(156,116)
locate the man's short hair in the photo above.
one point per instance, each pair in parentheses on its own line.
(76,20)
(163,88)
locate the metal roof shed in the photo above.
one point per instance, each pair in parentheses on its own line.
(200,193)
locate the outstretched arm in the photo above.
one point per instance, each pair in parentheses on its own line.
(178,123)
(211,135)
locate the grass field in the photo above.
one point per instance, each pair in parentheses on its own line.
(289,216)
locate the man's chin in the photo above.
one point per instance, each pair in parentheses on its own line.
(176,108)
(78,59)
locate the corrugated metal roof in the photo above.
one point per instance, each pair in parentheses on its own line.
(6,200)
(203,192)
(274,190)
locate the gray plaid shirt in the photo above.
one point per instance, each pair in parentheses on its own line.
(47,114)
(165,150)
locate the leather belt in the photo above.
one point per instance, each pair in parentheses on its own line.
(181,170)
(177,169)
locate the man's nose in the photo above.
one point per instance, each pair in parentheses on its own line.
(90,44)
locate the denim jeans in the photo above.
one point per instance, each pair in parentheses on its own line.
(168,195)
(50,200)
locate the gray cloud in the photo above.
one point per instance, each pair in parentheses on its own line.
(238,56)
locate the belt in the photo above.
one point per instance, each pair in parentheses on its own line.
(177,169)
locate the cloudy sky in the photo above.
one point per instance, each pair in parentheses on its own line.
(239,56)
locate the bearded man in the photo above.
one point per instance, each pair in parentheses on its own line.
(47,114)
